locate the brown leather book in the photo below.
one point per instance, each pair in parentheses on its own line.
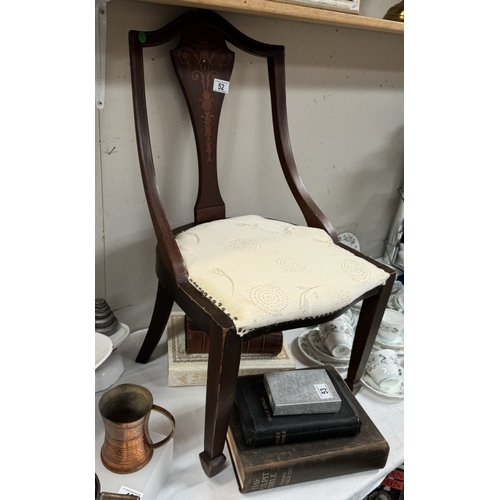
(273,466)
(197,341)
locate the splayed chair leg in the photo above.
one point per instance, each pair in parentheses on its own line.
(161,313)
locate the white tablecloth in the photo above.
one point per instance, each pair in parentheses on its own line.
(186,479)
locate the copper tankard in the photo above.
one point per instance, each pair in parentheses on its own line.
(125,411)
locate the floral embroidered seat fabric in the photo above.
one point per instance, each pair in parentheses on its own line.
(262,272)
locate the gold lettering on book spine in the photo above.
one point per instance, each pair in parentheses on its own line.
(206,63)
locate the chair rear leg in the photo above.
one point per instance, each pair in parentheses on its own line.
(161,313)
(222,377)
(369,321)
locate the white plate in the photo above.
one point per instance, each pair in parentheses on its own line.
(350,240)
(319,348)
(397,392)
(120,335)
(103,348)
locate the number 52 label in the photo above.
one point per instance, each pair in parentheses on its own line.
(221,86)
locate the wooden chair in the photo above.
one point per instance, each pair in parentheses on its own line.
(242,277)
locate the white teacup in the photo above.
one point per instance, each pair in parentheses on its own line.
(337,335)
(382,366)
(392,325)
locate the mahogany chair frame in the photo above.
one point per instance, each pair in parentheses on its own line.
(203,34)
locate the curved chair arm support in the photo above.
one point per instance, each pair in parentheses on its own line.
(312,213)
(167,247)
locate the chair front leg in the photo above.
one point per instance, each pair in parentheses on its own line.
(222,377)
(370,317)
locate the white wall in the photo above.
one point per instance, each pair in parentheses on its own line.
(345,107)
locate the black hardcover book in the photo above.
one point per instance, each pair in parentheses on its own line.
(261,428)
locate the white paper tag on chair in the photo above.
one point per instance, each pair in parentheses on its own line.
(221,86)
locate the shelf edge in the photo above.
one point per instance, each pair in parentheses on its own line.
(291,12)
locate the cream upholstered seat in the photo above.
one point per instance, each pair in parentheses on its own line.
(247,276)
(261,272)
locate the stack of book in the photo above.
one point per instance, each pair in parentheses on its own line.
(269,450)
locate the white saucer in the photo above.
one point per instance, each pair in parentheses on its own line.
(306,349)
(319,348)
(395,344)
(400,351)
(397,392)
(350,240)
(103,348)
(120,335)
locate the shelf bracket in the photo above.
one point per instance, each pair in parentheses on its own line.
(100,47)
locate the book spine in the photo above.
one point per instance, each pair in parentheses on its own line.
(295,474)
(267,477)
(284,436)
(198,342)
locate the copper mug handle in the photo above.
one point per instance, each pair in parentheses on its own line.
(167,414)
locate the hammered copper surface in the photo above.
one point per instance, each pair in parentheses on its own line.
(125,411)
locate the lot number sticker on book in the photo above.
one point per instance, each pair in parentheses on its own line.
(323,391)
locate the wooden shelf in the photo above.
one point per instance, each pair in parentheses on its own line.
(292,12)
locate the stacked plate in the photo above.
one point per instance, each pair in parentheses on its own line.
(313,348)
(109,364)
(396,345)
